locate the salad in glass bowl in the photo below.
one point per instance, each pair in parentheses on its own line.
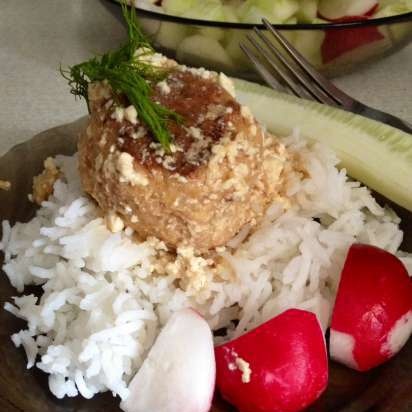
(336,36)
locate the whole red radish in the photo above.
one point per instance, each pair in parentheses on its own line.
(281,366)
(338,9)
(372,317)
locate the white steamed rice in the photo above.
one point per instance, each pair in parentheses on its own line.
(102,309)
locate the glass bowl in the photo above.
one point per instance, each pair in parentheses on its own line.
(333,48)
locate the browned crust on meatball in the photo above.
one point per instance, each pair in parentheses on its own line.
(222,174)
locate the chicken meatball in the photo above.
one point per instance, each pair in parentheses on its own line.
(222,173)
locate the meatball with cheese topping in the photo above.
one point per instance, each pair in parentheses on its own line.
(222,171)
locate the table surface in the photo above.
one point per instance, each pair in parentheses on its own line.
(37,36)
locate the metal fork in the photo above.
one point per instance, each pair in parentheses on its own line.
(302,78)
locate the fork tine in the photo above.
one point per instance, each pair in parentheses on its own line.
(325,85)
(289,83)
(264,72)
(315,92)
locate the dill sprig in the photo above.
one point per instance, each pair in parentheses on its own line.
(128,75)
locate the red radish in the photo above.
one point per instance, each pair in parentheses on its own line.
(338,9)
(281,366)
(340,41)
(372,317)
(178,374)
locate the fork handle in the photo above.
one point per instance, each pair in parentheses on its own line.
(382,117)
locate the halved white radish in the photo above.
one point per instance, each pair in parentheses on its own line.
(178,374)
(372,317)
(281,365)
(338,9)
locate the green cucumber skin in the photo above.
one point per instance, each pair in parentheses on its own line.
(378,155)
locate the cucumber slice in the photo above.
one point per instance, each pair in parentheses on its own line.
(309,43)
(206,10)
(291,20)
(178,7)
(249,13)
(252,11)
(170,35)
(378,155)
(232,41)
(203,51)
(212,32)
(399,31)
(230,14)
(308,10)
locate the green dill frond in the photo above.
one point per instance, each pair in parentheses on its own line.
(128,75)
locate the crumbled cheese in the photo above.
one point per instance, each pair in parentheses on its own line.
(146,55)
(174,148)
(160,153)
(244,367)
(227,84)
(114,223)
(201,71)
(156,243)
(141,132)
(273,166)
(214,111)
(197,153)
(130,114)
(180,178)
(195,132)
(134,219)
(125,165)
(44,182)
(5,185)
(196,269)
(118,114)
(239,186)
(163,87)
(169,163)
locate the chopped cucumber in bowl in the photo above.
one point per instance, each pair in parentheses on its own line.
(378,155)
(277,11)
(216,27)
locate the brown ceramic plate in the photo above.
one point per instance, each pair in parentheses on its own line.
(386,389)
